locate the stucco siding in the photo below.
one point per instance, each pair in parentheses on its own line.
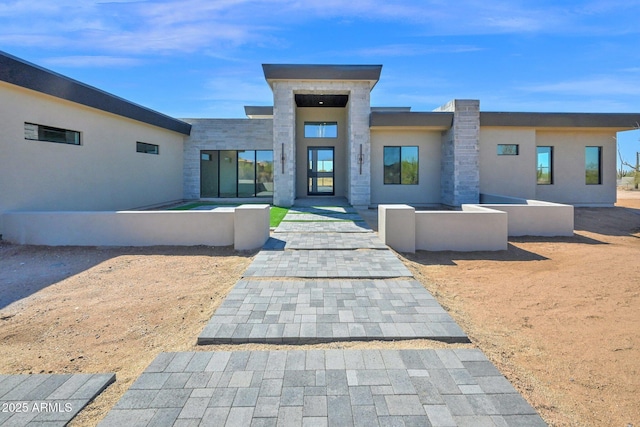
(508,175)
(569,167)
(103,173)
(222,134)
(428,189)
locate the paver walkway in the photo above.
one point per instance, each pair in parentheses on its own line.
(334,388)
(312,311)
(47,399)
(297,291)
(347,299)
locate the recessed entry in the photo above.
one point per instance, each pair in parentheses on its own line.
(309,100)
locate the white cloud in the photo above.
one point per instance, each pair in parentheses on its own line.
(119,27)
(238,88)
(413,50)
(595,86)
(91,61)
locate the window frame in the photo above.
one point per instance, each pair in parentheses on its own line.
(550,167)
(506,153)
(144,149)
(599,170)
(318,126)
(41,129)
(206,156)
(400,174)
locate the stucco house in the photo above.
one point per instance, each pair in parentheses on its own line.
(65,145)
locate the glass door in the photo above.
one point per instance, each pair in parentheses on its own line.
(320,171)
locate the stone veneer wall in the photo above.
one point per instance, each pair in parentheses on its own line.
(359,182)
(460,165)
(222,134)
(284,116)
(284,138)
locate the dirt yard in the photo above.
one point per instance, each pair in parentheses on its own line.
(560,317)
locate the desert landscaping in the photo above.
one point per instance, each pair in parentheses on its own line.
(558,316)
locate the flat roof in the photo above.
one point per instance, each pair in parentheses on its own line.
(258,112)
(21,73)
(440,120)
(369,73)
(564,120)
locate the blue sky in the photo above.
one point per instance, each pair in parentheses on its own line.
(202,58)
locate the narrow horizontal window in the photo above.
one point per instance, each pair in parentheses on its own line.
(143,147)
(36,132)
(320,130)
(400,165)
(508,149)
(545,165)
(593,165)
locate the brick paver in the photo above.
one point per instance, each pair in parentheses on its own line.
(315,311)
(327,263)
(292,241)
(322,216)
(323,387)
(323,227)
(47,399)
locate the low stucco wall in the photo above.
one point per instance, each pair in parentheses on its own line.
(140,228)
(533,217)
(397,227)
(473,229)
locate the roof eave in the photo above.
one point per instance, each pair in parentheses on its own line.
(322,72)
(21,73)
(619,121)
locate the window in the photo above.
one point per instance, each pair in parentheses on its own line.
(401,165)
(143,147)
(593,165)
(320,130)
(545,165)
(231,173)
(508,149)
(47,133)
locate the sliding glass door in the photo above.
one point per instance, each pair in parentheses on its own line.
(234,173)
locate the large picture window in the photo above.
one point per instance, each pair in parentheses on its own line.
(401,165)
(232,173)
(320,130)
(593,165)
(545,165)
(50,134)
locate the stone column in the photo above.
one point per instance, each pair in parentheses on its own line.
(359,142)
(460,166)
(284,145)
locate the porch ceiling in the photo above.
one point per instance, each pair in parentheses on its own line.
(313,100)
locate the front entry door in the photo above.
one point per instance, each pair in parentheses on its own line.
(320,171)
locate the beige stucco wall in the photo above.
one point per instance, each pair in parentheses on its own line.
(475,228)
(429,146)
(104,173)
(308,114)
(569,167)
(246,227)
(508,175)
(516,175)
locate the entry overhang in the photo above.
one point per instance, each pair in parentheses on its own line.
(274,72)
